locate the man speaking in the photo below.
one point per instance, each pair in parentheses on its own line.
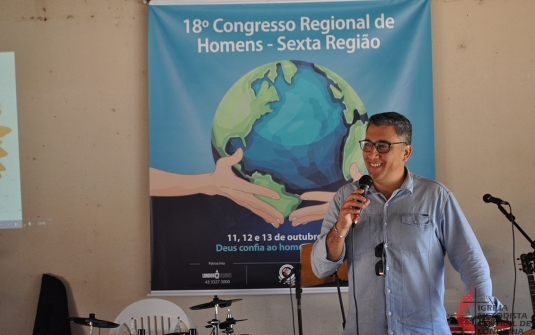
(395,240)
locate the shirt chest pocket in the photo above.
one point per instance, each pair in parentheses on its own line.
(416,232)
(361,236)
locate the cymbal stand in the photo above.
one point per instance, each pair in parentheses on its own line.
(215,322)
(229,329)
(90,328)
(91,317)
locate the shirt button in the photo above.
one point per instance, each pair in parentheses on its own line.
(389,313)
(390,332)
(386,223)
(387,268)
(387,291)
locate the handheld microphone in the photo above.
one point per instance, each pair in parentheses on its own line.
(490,199)
(365,182)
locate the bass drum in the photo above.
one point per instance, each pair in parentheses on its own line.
(503,327)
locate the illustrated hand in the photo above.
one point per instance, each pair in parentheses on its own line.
(317,212)
(243,192)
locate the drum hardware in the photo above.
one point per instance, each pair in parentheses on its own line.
(216,302)
(228,324)
(91,321)
(456,327)
(192,331)
(215,324)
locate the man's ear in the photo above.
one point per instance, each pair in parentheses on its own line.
(407,151)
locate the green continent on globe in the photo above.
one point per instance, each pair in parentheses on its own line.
(298,124)
(351,102)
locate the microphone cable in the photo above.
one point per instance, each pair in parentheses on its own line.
(365,182)
(514,269)
(354,282)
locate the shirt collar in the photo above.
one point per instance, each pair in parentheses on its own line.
(408,183)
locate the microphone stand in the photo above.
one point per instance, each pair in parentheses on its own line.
(511,218)
(298,291)
(296,270)
(531,255)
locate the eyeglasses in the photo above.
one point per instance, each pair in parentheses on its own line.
(380,265)
(381,146)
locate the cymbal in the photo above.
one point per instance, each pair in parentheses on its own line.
(229,322)
(91,321)
(215,302)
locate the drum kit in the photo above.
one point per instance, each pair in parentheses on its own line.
(226,326)
(457,324)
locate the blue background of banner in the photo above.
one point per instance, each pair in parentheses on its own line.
(186,87)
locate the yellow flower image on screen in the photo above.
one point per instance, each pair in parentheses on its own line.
(3,131)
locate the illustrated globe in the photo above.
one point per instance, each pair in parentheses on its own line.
(298,124)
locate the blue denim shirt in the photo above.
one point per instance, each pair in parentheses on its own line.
(419,224)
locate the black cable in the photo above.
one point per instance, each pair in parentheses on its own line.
(514,267)
(293,313)
(354,283)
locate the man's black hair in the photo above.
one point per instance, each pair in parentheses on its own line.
(401,124)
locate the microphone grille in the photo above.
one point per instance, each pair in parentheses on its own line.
(366,180)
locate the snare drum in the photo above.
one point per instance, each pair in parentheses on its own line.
(503,327)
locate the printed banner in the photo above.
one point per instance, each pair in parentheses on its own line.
(10,188)
(255,113)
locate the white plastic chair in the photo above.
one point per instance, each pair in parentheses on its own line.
(156,316)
